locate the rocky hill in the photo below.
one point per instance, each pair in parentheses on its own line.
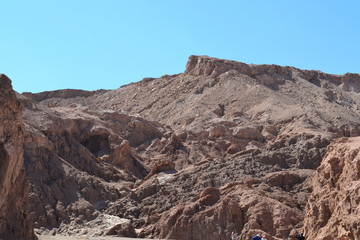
(224,146)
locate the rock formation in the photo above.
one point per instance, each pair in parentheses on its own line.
(333,208)
(13,185)
(80,161)
(224,146)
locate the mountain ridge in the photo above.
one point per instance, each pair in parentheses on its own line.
(198,64)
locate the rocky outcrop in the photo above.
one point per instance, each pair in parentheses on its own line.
(122,230)
(164,166)
(14,223)
(267,74)
(206,66)
(246,207)
(333,209)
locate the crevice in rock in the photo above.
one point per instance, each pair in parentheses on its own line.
(97,145)
(4,162)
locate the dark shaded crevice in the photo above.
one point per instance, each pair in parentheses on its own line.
(4,162)
(97,145)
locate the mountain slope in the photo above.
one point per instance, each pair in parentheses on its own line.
(224,146)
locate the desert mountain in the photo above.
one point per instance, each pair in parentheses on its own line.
(224,146)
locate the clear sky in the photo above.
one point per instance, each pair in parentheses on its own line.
(94,44)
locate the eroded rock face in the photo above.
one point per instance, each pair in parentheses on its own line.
(13,184)
(77,163)
(247,207)
(333,209)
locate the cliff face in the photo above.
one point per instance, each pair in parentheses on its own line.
(13,184)
(333,208)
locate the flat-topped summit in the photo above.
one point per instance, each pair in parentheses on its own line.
(63,93)
(209,66)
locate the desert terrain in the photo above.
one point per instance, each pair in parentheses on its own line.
(224,146)
(45,237)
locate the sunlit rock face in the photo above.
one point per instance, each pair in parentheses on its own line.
(333,208)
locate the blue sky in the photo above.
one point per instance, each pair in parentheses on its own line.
(93,44)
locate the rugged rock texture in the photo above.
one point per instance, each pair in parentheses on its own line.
(224,146)
(333,209)
(13,185)
(79,161)
(248,207)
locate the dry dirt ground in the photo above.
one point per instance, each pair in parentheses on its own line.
(42,237)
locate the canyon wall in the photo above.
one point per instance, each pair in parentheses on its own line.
(13,183)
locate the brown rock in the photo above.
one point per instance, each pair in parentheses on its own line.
(13,185)
(125,158)
(241,209)
(65,93)
(205,66)
(333,208)
(210,196)
(122,230)
(234,148)
(250,133)
(162,166)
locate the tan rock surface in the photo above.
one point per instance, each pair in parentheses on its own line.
(333,210)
